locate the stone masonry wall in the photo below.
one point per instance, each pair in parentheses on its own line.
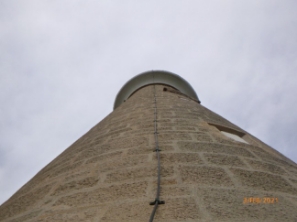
(110,173)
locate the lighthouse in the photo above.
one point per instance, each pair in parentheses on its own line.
(160,156)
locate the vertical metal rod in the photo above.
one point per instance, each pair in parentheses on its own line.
(157,147)
(157,201)
(153,213)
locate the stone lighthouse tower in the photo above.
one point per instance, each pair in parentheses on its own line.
(160,156)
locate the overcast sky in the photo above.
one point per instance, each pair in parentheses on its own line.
(63,62)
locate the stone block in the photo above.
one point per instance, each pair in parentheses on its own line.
(202,137)
(79,174)
(130,211)
(140,150)
(271,157)
(92,151)
(186,128)
(174,136)
(126,191)
(164,114)
(137,173)
(204,175)
(226,160)
(187,117)
(162,129)
(172,191)
(117,133)
(128,161)
(86,214)
(185,122)
(192,158)
(65,169)
(166,182)
(105,158)
(114,145)
(145,125)
(138,133)
(263,181)
(164,121)
(140,141)
(267,167)
(213,148)
(76,185)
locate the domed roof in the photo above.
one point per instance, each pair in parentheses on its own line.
(154,77)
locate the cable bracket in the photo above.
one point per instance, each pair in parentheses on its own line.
(157,201)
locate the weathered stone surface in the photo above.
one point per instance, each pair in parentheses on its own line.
(116,145)
(228,205)
(76,185)
(78,174)
(128,161)
(185,122)
(104,194)
(88,214)
(149,149)
(23,203)
(292,171)
(227,160)
(202,137)
(213,148)
(204,175)
(105,158)
(166,181)
(171,191)
(137,173)
(67,168)
(27,217)
(174,136)
(263,181)
(179,209)
(271,156)
(294,181)
(267,167)
(193,158)
(165,128)
(130,211)
(186,128)
(292,199)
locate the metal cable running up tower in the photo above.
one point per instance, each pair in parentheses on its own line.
(157,150)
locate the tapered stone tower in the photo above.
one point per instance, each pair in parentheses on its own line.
(210,169)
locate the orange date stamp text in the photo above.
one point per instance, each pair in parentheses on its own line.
(260,200)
